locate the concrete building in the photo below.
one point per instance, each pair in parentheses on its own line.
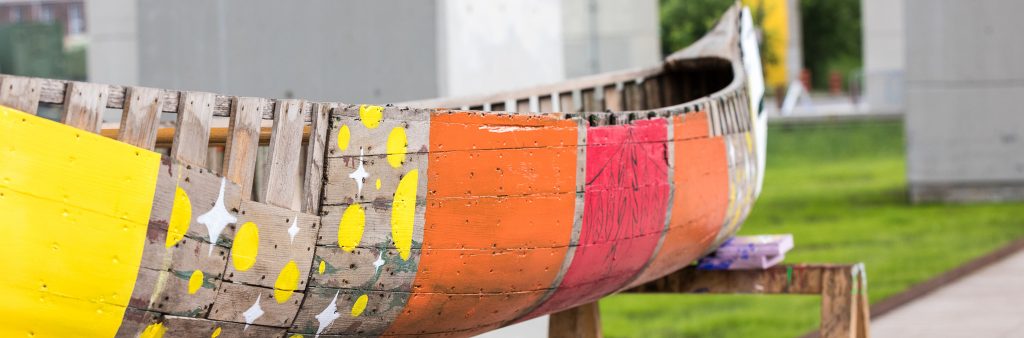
(365,52)
(964,126)
(883,34)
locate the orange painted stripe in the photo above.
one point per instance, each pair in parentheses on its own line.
(500,204)
(700,200)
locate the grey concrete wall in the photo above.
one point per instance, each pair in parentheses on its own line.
(112,56)
(965,81)
(609,35)
(884,59)
(353,51)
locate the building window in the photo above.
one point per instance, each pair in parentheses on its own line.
(75,20)
(15,14)
(46,14)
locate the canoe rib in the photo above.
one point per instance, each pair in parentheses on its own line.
(448,216)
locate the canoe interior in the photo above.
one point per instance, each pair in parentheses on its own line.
(446,217)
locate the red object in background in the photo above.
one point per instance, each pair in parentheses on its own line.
(835,83)
(805,78)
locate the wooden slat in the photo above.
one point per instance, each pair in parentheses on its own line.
(277,246)
(21,93)
(141,116)
(84,106)
(283,158)
(192,132)
(652,88)
(583,321)
(590,102)
(566,103)
(634,96)
(315,154)
(546,104)
(837,315)
(613,98)
(523,106)
(242,141)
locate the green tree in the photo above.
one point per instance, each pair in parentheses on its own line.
(685,21)
(831,38)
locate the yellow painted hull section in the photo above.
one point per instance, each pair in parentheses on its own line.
(76,207)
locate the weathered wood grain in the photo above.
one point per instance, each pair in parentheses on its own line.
(363,269)
(377,231)
(242,142)
(284,156)
(652,89)
(312,184)
(341,189)
(84,106)
(141,116)
(373,141)
(195,327)
(546,103)
(837,304)
(168,292)
(20,93)
(204,190)
(613,97)
(192,130)
(380,310)
(634,96)
(234,299)
(590,101)
(276,246)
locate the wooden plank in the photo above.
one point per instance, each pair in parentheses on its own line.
(363,268)
(242,142)
(195,327)
(84,106)
(634,96)
(278,244)
(284,155)
(566,102)
(786,279)
(590,102)
(192,131)
(546,104)
(652,88)
(141,116)
(523,106)
(20,93)
(583,321)
(837,306)
(312,184)
(233,300)
(206,193)
(381,308)
(613,97)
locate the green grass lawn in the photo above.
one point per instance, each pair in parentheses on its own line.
(840,189)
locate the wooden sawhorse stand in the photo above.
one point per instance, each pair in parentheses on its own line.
(843,290)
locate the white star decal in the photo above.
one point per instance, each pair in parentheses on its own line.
(360,174)
(254,311)
(379,262)
(294,229)
(328,315)
(217,218)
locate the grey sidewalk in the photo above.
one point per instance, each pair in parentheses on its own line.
(987,303)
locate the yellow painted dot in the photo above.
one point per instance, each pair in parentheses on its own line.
(343,137)
(397,147)
(295,336)
(371,115)
(286,283)
(359,306)
(378,184)
(216,333)
(246,246)
(350,230)
(155,330)
(403,210)
(181,216)
(195,282)
(322,267)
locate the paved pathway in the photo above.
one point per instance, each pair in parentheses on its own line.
(987,303)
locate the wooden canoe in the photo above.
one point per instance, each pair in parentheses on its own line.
(447,217)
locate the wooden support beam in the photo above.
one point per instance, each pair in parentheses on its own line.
(141,116)
(315,154)
(84,106)
(192,135)
(20,93)
(283,159)
(844,303)
(243,139)
(583,321)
